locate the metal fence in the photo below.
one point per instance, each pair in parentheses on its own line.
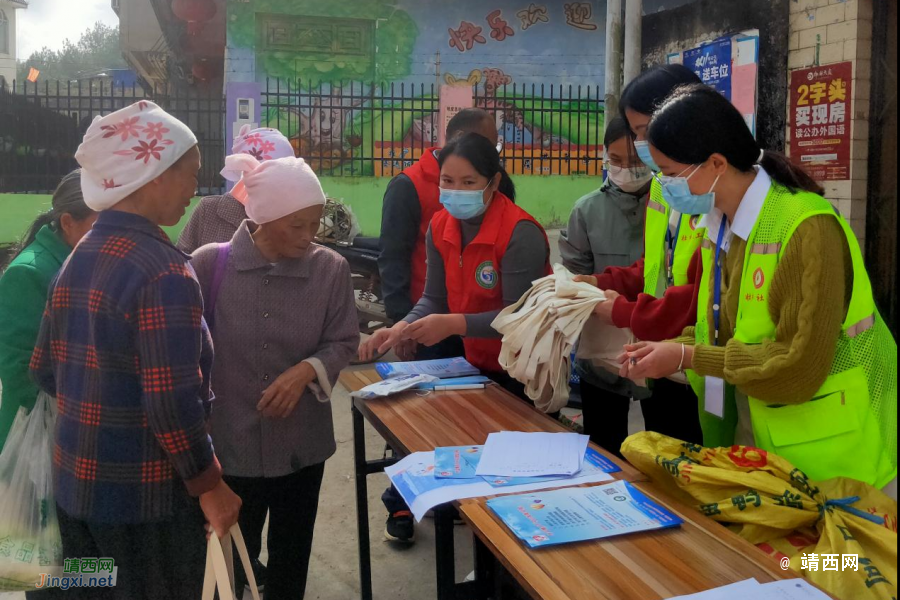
(41,126)
(359,129)
(345,129)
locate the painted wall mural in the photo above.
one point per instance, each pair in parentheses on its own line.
(355,84)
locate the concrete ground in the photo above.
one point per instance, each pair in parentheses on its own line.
(398,573)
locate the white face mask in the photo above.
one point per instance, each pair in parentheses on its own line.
(630,180)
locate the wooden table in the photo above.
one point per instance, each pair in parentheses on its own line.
(413,423)
(699,555)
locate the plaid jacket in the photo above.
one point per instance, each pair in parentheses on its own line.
(125,350)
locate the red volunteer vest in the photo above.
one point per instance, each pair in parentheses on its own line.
(473,274)
(425,175)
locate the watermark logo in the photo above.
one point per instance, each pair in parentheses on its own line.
(81,573)
(828,562)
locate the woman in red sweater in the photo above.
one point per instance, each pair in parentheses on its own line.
(672,408)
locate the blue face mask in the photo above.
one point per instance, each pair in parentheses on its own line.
(677,193)
(464,204)
(643,152)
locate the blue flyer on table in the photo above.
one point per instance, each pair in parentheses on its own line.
(443,368)
(456,462)
(580,514)
(594,462)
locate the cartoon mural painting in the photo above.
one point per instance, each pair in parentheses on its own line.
(391,50)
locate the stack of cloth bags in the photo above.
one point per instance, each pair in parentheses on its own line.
(542,328)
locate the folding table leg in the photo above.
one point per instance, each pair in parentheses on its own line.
(362,504)
(485,572)
(444,552)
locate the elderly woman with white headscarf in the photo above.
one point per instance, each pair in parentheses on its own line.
(283,318)
(124,349)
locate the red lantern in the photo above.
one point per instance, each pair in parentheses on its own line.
(203,70)
(195,12)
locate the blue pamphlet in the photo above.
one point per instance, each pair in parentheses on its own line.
(579,514)
(443,368)
(456,462)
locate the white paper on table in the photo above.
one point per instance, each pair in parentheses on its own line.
(734,591)
(519,454)
(788,589)
(414,478)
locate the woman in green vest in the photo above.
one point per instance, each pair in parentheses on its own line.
(23,292)
(789,353)
(655,296)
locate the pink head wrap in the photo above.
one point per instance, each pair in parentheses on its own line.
(275,188)
(263,144)
(124,151)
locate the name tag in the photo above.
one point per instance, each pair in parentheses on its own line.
(714,400)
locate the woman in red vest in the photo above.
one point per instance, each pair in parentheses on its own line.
(483,252)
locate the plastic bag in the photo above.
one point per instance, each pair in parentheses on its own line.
(768,502)
(30,543)
(395,385)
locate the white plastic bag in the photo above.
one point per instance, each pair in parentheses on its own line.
(30,543)
(394,385)
(219,573)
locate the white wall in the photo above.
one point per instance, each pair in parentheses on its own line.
(8,61)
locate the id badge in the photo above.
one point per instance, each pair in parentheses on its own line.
(714,399)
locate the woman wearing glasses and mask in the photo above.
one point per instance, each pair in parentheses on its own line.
(606,229)
(789,353)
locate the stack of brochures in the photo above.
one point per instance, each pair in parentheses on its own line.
(580,514)
(442,368)
(520,454)
(424,485)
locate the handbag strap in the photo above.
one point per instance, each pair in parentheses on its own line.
(223,250)
(219,567)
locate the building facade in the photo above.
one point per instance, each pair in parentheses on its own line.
(8,10)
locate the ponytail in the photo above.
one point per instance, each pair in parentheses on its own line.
(45,218)
(781,169)
(67,199)
(696,122)
(507,187)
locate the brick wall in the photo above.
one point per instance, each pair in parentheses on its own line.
(825,32)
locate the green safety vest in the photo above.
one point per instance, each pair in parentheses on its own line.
(656,250)
(849,427)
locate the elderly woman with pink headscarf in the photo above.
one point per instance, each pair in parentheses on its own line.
(216,218)
(283,318)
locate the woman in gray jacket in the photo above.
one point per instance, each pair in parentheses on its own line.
(283,319)
(606,229)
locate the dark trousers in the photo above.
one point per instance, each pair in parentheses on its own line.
(162,560)
(672,410)
(292,502)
